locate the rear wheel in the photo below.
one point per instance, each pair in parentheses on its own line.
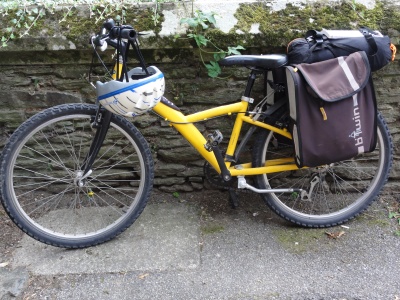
(332,194)
(42,188)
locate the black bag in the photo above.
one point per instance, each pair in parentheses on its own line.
(319,46)
(333,112)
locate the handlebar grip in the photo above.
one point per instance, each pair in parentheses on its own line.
(124,32)
(114,32)
(128,33)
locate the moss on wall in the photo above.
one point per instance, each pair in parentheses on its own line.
(281,26)
(276,28)
(78,27)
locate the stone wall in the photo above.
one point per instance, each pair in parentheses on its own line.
(49,66)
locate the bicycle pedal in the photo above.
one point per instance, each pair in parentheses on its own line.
(214,139)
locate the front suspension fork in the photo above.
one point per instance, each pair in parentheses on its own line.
(101,122)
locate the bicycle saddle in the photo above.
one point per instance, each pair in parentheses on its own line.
(269,61)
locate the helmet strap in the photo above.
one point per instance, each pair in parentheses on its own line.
(139,55)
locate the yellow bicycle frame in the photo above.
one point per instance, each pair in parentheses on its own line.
(184,125)
(117,69)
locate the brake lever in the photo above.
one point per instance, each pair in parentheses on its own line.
(100,41)
(104,46)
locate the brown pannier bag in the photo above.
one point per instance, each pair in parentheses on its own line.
(333,109)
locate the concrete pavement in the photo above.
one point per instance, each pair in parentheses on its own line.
(197,247)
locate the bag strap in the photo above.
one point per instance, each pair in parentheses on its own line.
(370,39)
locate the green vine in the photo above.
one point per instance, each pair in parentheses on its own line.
(19,17)
(156,11)
(198,25)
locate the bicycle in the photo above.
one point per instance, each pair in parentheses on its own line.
(77,175)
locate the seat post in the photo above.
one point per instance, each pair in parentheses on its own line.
(250,82)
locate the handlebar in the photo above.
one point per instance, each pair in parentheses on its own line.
(120,37)
(110,31)
(125,32)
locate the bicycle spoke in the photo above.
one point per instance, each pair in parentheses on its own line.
(48,200)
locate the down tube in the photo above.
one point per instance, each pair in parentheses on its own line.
(188,131)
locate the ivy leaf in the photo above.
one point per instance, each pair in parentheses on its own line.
(219,55)
(12,36)
(203,24)
(213,69)
(210,18)
(200,40)
(235,50)
(192,22)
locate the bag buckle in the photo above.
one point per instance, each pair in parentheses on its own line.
(313,35)
(319,38)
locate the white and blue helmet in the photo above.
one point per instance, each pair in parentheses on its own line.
(134,97)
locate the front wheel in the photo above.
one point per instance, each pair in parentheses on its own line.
(332,194)
(42,185)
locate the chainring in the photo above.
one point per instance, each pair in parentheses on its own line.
(216,180)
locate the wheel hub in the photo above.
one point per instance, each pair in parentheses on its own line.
(80,178)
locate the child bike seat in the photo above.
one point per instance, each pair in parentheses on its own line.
(269,61)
